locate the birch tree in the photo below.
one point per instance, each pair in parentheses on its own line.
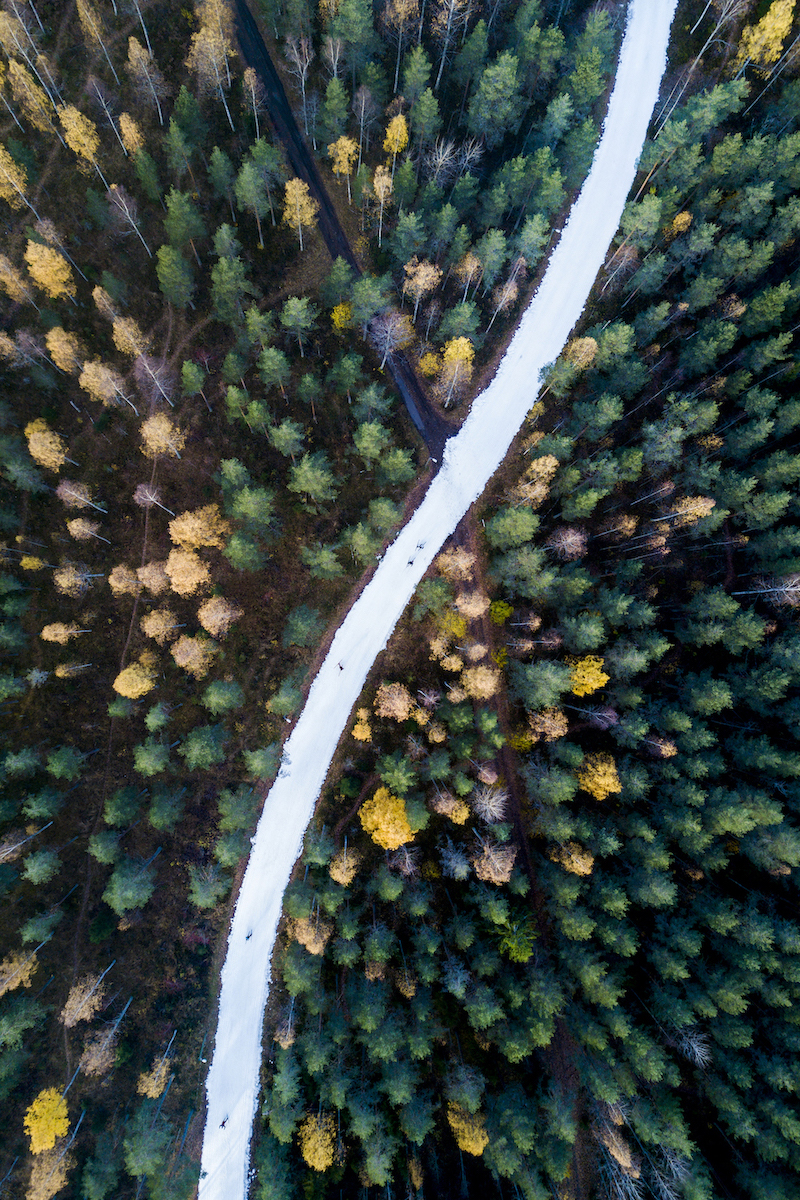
(145,75)
(125,211)
(209,55)
(94,31)
(300,207)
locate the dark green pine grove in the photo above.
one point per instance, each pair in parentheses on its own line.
(543,936)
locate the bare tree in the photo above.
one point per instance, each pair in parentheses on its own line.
(147,494)
(153,379)
(299,55)
(125,212)
(99,95)
(366,110)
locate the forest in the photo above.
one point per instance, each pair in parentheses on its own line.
(543,938)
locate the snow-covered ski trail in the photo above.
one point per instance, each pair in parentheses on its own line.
(470,459)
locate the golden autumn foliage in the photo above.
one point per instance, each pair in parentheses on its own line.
(74,495)
(65,349)
(393,701)
(429,365)
(131,134)
(344,153)
(82,529)
(124,581)
(104,384)
(549,724)
(14,283)
(49,270)
(49,1171)
(480,682)
(218,614)
(535,484)
(469,1129)
(161,436)
(17,970)
(60,633)
(421,278)
(83,1001)
(45,445)
(128,337)
(160,624)
(99,1053)
(762,44)
(312,932)
(13,180)
(317,1138)
(580,352)
(187,572)
(457,358)
(493,862)
(587,674)
(300,207)
(573,858)
(152,1083)
(194,654)
(384,818)
(396,136)
(70,581)
(46,1119)
(447,805)
(342,315)
(201,527)
(135,681)
(362,730)
(80,133)
(154,577)
(598,776)
(343,866)
(457,563)
(472,605)
(689,510)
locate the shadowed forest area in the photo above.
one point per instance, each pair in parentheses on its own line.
(543,939)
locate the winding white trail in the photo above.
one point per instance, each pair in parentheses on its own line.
(470,459)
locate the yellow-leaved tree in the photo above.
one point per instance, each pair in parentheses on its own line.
(152,1083)
(218,614)
(762,44)
(299,207)
(396,138)
(135,681)
(14,283)
(385,819)
(344,153)
(383,186)
(587,674)
(161,436)
(161,625)
(194,654)
(468,1128)
(187,572)
(46,1120)
(65,349)
(457,358)
(49,1171)
(49,271)
(81,136)
(317,1138)
(83,1001)
(46,446)
(200,527)
(598,776)
(131,134)
(13,181)
(17,970)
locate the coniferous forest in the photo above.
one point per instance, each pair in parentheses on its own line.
(543,940)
